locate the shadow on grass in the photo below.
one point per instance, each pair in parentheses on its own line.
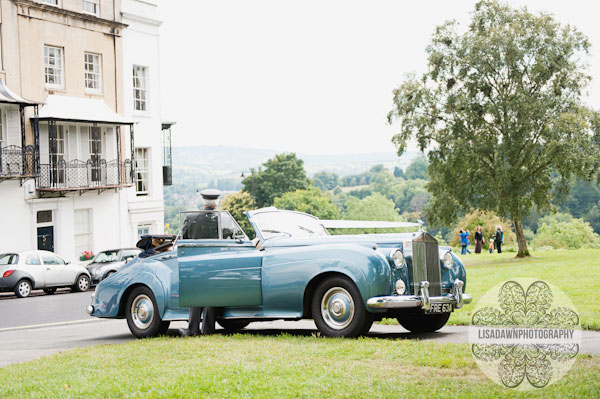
(314,333)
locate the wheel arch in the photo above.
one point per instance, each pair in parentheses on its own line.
(160,303)
(314,283)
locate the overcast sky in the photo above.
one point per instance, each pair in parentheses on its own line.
(310,76)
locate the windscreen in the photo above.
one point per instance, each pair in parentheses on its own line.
(288,224)
(106,256)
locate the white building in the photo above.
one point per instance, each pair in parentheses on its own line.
(141,61)
(67,179)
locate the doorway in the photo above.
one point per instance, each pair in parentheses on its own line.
(45,237)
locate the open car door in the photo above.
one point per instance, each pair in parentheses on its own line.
(219,270)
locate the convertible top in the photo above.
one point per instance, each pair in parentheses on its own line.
(367,224)
(155,242)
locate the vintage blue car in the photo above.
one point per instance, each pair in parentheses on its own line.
(294,269)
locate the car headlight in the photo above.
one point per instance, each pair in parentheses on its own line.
(397,257)
(448,260)
(400,287)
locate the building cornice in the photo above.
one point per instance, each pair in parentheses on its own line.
(139,18)
(33,9)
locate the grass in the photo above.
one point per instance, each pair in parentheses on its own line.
(284,366)
(575,272)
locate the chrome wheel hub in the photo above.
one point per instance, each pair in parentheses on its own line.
(24,288)
(337,308)
(142,312)
(83,284)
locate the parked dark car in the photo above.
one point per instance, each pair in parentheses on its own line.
(108,262)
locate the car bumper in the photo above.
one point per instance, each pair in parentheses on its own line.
(456,297)
(9,283)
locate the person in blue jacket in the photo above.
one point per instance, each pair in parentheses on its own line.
(464,242)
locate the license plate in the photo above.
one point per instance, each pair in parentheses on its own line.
(437,308)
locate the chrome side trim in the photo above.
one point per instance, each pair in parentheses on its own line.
(423,300)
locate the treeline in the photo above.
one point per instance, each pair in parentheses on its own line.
(375,194)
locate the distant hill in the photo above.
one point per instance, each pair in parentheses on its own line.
(201,165)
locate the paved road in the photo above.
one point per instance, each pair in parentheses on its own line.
(34,327)
(39,308)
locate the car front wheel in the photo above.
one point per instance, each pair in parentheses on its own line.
(23,289)
(142,316)
(421,323)
(338,309)
(81,284)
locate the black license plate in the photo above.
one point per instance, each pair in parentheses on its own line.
(437,308)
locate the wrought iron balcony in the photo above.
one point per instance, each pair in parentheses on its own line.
(17,162)
(81,176)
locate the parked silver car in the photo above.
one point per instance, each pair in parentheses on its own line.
(109,262)
(25,271)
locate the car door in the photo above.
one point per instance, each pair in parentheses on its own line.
(56,272)
(220,272)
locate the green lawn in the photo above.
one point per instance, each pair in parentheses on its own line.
(575,272)
(274,367)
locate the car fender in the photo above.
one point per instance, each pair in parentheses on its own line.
(111,294)
(11,281)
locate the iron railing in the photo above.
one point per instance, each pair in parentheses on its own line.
(88,174)
(17,162)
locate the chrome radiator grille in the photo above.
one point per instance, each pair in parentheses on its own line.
(426,264)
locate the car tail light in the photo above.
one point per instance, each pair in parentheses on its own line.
(8,273)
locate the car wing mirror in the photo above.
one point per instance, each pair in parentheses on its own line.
(67,262)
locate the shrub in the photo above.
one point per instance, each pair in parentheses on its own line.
(564,231)
(488,221)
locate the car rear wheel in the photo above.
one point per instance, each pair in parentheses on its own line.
(49,291)
(23,289)
(338,309)
(233,325)
(421,323)
(81,284)
(142,316)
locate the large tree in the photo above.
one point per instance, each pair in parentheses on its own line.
(283,173)
(500,110)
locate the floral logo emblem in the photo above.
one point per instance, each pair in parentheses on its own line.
(525,338)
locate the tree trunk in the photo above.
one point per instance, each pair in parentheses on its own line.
(521,241)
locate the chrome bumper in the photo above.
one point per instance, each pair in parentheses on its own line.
(423,300)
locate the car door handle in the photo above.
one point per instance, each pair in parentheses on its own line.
(47,268)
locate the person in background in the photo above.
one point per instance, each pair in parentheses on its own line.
(492,244)
(463,242)
(479,240)
(498,238)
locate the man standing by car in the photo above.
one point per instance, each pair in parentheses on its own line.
(202,225)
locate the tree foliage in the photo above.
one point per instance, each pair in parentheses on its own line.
(326,181)
(374,207)
(283,173)
(417,169)
(564,231)
(311,200)
(238,204)
(501,111)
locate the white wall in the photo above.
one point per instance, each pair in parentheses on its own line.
(141,47)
